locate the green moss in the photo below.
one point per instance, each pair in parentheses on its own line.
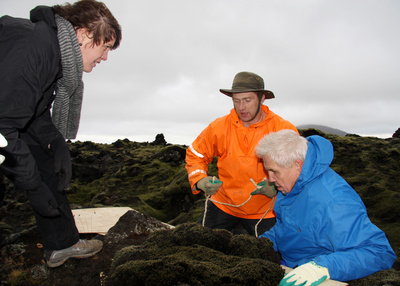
(18,277)
(193,255)
(389,277)
(139,175)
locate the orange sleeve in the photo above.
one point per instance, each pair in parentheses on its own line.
(199,154)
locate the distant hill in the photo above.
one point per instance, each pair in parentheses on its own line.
(324,129)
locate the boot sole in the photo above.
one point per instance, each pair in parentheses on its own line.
(61,262)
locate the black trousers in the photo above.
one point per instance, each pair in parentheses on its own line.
(57,232)
(218,219)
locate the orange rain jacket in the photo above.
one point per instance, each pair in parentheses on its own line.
(234,145)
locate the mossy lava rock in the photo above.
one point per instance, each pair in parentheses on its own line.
(194,255)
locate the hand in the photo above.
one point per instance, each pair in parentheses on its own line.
(265,188)
(209,185)
(3,143)
(43,201)
(62,162)
(309,274)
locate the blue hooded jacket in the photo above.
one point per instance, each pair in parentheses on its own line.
(324,220)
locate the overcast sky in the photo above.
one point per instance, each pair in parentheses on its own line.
(329,62)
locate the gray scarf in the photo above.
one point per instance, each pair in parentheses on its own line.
(69,89)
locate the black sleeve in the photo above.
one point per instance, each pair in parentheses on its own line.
(30,59)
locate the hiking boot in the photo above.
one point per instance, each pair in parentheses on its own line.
(82,249)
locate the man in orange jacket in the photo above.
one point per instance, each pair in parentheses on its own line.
(241,193)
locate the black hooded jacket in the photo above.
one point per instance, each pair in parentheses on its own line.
(30,65)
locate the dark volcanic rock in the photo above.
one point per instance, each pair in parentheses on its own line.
(175,155)
(132,228)
(160,140)
(151,178)
(193,255)
(396,134)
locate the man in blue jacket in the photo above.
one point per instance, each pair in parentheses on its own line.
(322,225)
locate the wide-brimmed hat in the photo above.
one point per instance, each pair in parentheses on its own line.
(246,82)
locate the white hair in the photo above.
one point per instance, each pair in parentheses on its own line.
(283,147)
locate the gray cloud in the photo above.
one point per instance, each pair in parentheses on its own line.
(328,62)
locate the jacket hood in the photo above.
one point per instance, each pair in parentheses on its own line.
(43,13)
(318,159)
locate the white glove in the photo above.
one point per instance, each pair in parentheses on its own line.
(3,143)
(209,185)
(308,274)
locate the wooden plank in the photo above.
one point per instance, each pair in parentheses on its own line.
(98,220)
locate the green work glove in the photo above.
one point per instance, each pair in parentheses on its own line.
(3,143)
(265,188)
(309,274)
(209,185)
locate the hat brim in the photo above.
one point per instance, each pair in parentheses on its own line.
(268,94)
